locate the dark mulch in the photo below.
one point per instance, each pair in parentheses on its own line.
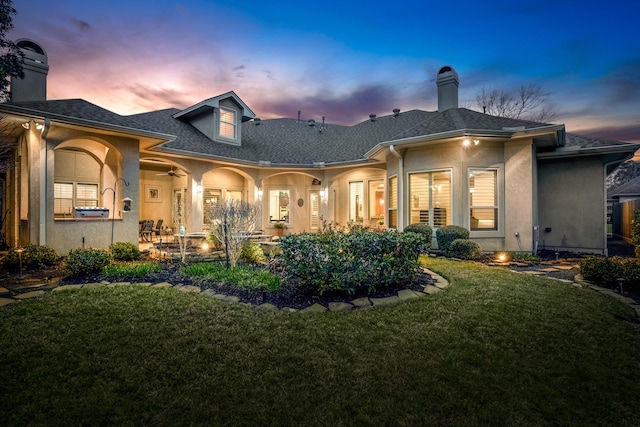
(293,294)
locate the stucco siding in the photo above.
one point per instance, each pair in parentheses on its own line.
(572,205)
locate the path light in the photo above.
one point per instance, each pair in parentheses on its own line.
(502,257)
(19,251)
(205,246)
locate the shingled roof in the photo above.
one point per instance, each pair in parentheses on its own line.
(289,142)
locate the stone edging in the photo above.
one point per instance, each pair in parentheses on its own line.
(631,302)
(6,298)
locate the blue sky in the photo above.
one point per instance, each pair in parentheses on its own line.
(342,59)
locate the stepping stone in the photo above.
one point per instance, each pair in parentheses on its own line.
(118,284)
(32,294)
(162,285)
(315,308)
(143,284)
(191,289)
(384,301)
(93,285)
(37,285)
(549,269)
(267,307)
(441,283)
(6,301)
(406,294)
(4,291)
(564,267)
(67,288)
(361,302)
(534,273)
(340,306)
(232,299)
(431,290)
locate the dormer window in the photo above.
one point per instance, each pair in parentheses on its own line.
(227,128)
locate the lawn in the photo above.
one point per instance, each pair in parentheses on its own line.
(494,348)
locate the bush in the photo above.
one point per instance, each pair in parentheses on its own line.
(252,252)
(86,261)
(240,276)
(464,249)
(630,268)
(600,270)
(635,232)
(448,234)
(125,251)
(131,270)
(349,262)
(425,230)
(33,257)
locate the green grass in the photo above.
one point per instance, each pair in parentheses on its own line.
(494,348)
(241,276)
(131,269)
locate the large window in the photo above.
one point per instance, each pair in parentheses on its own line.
(67,195)
(76,182)
(376,200)
(393,202)
(430,198)
(356,202)
(483,199)
(279,206)
(227,123)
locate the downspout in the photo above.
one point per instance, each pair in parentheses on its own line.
(43,182)
(400,207)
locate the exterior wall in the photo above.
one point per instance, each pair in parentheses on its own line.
(572,204)
(120,161)
(515,167)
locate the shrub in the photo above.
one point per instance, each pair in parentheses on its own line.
(33,257)
(86,261)
(125,251)
(353,261)
(448,234)
(630,268)
(600,270)
(425,230)
(252,252)
(635,232)
(464,249)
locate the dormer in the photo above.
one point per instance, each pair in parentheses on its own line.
(219,118)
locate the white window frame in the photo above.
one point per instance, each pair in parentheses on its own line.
(271,221)
(92,202)
(496,206)
(392,207)
(431,207)
(224,123)
(356,201)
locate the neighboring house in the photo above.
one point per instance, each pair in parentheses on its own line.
(622,202)
(517,185)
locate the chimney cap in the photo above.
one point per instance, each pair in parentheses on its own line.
(372,117)
(396,112)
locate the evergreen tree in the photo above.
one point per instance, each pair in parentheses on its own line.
(11,56)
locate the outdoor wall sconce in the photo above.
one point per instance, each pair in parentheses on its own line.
(126,204)
(468,142)
(260,192)
(199,188)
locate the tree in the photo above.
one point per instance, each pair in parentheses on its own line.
(528,103)
(232,223)
(11,57)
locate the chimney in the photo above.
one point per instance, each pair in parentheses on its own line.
(34,85)
(447,82)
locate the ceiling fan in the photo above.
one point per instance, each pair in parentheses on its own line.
(171,173)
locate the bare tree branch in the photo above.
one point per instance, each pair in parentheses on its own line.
(527,103)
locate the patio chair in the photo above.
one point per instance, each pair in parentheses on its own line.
(158,230)
(146,231)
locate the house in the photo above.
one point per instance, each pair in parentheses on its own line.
(622,203)
(517,185)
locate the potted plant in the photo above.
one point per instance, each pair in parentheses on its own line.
(280,227)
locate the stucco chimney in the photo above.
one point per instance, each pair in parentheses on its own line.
(36,67)
(447,82)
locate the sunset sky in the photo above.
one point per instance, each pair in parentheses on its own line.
(342,59)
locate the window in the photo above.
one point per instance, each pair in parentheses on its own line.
(314,210)
(234,195)
(430,198)
(279,206)
(376,199)
(393,202)
(356,202)
(227,123)
(483,199)
(210,196)
(67,195)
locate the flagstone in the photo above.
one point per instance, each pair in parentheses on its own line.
(340,306)
(384,300)
(361,302)
(315,308)
(191,289)
(67,288)
(32,294)
(431,290)
(6,301)
(162,285)
(4,291)
(406,294)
